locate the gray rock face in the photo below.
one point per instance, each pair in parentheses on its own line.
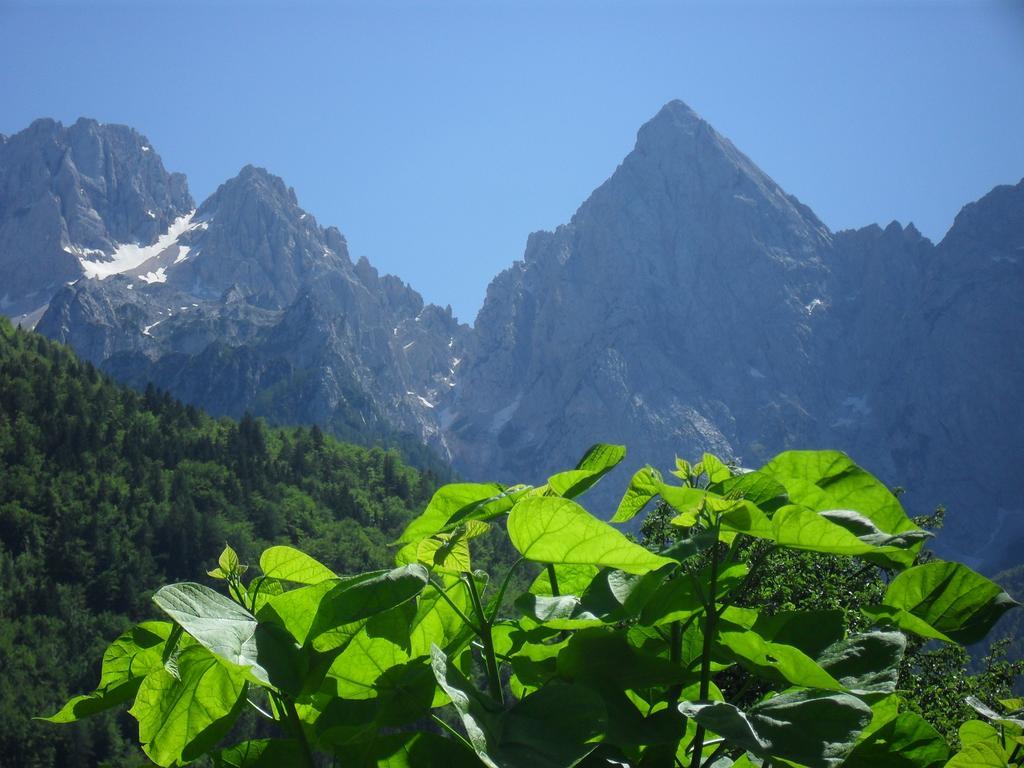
(255,307)
(681,286)
(68,193)
(692,305)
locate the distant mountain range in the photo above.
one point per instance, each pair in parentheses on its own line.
(690,304)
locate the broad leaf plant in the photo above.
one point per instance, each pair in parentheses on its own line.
(613,656)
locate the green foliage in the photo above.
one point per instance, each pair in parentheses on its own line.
(105,494)
(698,654)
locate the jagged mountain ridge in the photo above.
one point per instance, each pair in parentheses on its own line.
(75,194)
(690,304)
(247,304)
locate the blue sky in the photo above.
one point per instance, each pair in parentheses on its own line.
(437,136)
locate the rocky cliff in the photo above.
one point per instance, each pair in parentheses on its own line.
(70,198)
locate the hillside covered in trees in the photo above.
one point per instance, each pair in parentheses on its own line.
(106,493)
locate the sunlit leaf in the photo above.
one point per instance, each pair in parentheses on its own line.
(644,486)
(218,624)
(595,464)
(951,598)
(181,717)
(776,662)
(457,501)
(824,480)
(556,530)
(289,564)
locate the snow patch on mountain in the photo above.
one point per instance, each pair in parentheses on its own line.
(129,256)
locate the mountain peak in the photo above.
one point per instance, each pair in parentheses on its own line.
(679,112)
(253,185)
(673,121)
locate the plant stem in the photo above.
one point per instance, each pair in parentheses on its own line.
(705,661)
(463,616)
(453,732)
(553,578)
(675,655)
(493,678)
(296,727)
(756,564)
(501,591)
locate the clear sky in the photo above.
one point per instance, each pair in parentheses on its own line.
(438,135)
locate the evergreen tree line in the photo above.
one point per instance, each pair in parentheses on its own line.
(107,493)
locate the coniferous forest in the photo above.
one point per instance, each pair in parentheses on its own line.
(106,493)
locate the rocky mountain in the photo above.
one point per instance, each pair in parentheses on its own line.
(690,304)
(693,305)
(72,199)
(247,304)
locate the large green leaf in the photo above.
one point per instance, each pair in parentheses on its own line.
(549,529)
(716,470)
(599,459)
(950,597)
(381,644)
(457,501)
(402,695)
(907,741)
(825,480)
(887,615)
(572,579)
(610,597)
(80,707)
(813,729)
(866,664)
(981,754)
(296,609)
(358,599)
(289,564)
(125,662)
(329,614)
(645,485)
(756,487)
(776,662)
(797,527)
(603,658)
(218,624)
(182,717)
(135,653)
(684,594)
(810,631)
(556,727)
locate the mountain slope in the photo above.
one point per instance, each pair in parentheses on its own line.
(692,305)
(255,307)
(684,283)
